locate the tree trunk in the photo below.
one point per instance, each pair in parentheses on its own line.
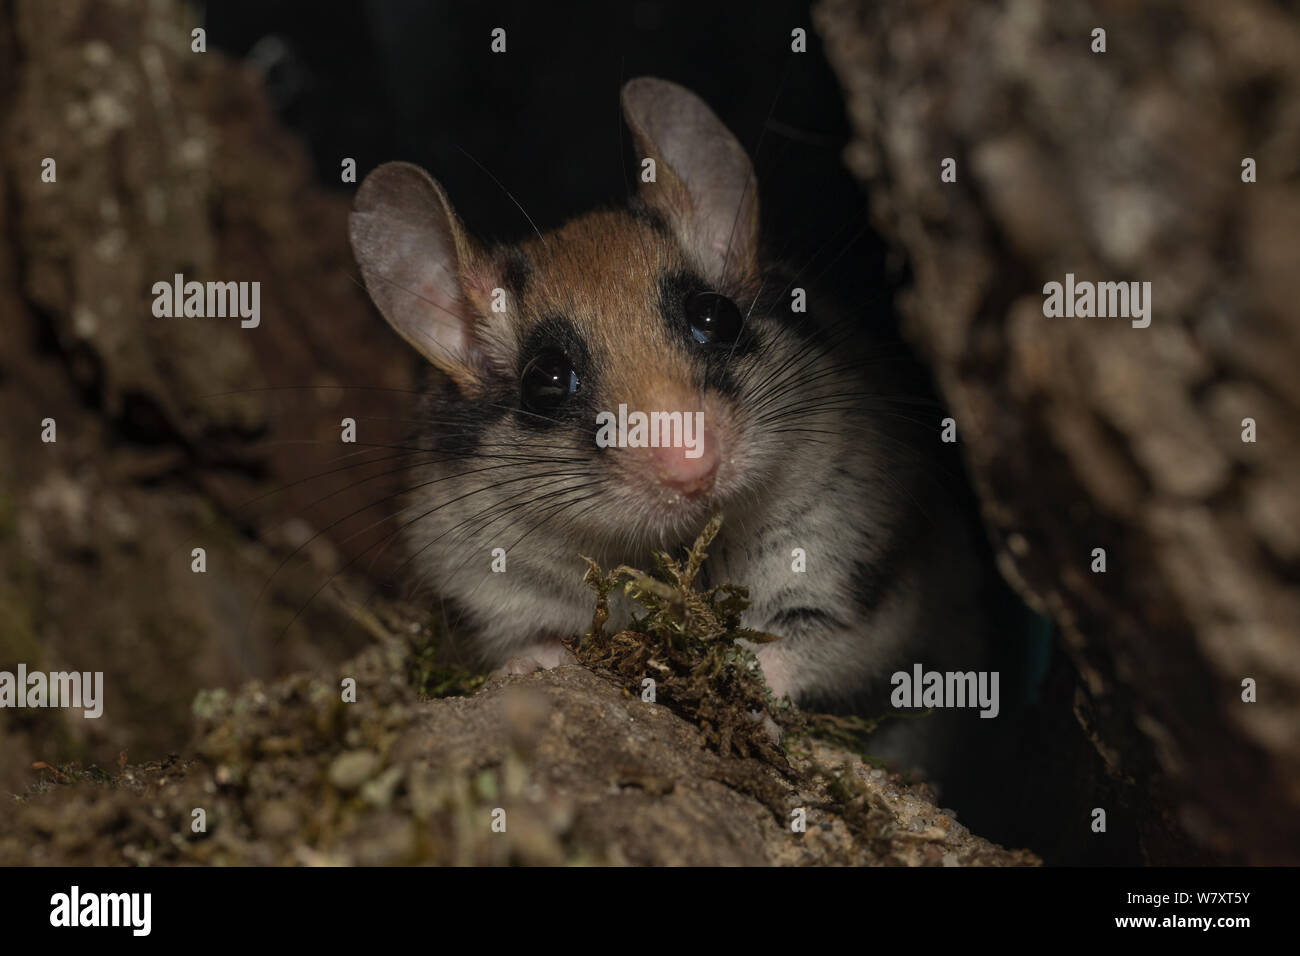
(1094,433)
(172,433)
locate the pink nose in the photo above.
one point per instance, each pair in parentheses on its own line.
(691,476)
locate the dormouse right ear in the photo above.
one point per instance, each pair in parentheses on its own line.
(704,182)
(416,259)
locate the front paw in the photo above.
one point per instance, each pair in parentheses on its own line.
(770,727)
(776,669)
(541,656)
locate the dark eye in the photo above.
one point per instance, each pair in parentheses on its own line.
(547,381)
(714,319)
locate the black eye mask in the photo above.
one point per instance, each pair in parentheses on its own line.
(548,381)
(713,319)
(714,327)
(554,364)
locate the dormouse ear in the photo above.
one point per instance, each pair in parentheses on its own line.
(415,258)
(704,183)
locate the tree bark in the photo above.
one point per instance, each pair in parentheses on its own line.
(172,433)
(1085,433)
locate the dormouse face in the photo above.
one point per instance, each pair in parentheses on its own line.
(614,362)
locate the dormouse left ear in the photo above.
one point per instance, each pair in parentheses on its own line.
(422,270)
(704,183)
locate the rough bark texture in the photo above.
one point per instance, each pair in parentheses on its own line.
(574,769)
(170,435)
(1087,433)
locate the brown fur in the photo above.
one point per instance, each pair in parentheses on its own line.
(601,271)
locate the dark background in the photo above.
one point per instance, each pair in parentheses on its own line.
(379,81)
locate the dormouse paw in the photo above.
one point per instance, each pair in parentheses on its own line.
(770,726)
(776,669)
(541,656)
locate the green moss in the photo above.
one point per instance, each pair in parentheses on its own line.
(686,641)
(431,673)
(434,678)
